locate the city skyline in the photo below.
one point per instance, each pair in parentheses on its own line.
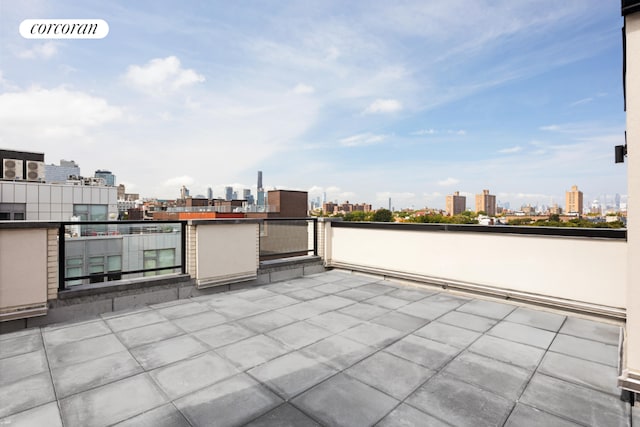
(360,101)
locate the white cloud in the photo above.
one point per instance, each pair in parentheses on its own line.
(303,89)
(40,51)
(179,181)
(552,128)
(581,102)
(424,132)
(510,150)
(432,131)
(449,181)
(362,139)
(161,75)
(53,113)
(383,106)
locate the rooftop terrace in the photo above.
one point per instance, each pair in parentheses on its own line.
(327,349)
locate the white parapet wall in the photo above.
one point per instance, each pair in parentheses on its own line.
(24,271)
(580,271)
(225,252)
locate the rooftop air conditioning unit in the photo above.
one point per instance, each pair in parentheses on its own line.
(12,169)
(35,171)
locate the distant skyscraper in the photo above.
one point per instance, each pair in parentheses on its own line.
(234,195)
(456,204)
(228,193)
(209,193)
(109,178)
(184,192)
(574,200)
(617,202)
(261,199)
(486,202)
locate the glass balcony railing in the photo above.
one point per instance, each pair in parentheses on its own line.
(94,252)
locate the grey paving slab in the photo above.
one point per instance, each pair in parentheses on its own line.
(592,330)
(221,335)
(291,374)
(428,353)
(182,310)
(408,416)
(357,294)
(276,301)
(526,416)
(372,334)
(400,321)
(254,294)
(448,334)
(162,353)
(331,288)
(111,403)
(193,374)
(491,309)
(149,334)
(283,287)
(135,320)
(124,312)
(334,321)
(594,351)
(25,394)
(299,334)
(344,401)
(522,355)
(449,298)
(164,416)
(537,318)
(20,333)
(79,377)
(460,403)
(498,377)
(364,311)
(235,308)
(22,366)
(306,294)
(45,415)
(82,351)
(523,334)
(253,351)
(75,333)
(231,402)
(635,415)
(21,344)
(266,322)
(338,352)
(428,309)
(200,321)
(468,321)
(377,288)
(285,415)
(583,372)
(580,404)
(302,310)
(331,302)
(395,376)
(387,301)
(411,293)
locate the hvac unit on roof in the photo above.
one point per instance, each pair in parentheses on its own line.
(12,169)
(35,171)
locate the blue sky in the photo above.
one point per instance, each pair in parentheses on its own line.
(360,100)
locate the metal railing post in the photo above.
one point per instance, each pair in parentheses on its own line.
(315,236)
(61,257)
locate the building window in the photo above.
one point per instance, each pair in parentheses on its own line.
(90,212)
(96,267)
(12,211)
(157,258)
